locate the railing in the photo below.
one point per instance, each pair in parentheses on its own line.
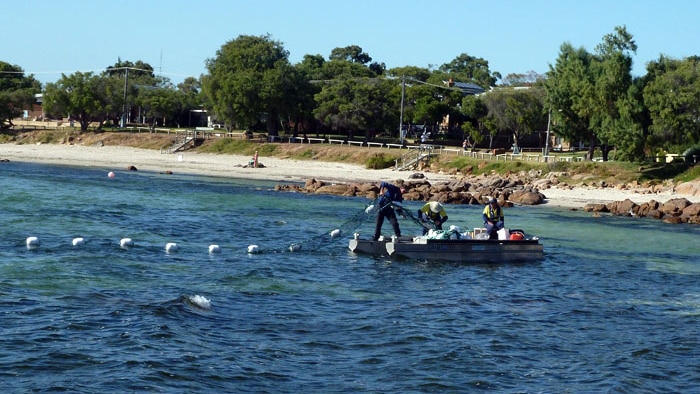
(411,159)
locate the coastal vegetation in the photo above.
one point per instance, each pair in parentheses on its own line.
(586,102)
(575,172)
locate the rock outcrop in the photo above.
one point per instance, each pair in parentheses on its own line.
(676,210)
(523,188)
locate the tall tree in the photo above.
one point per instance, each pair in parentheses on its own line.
(613,79)
(352,97)
(466,68)
(589,94)
(477,122)
(353,105)
(672,96)
(16,93)
(351,53)
(570,95)
(249,80)
(517,111)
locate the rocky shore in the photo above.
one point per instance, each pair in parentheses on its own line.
(516,189)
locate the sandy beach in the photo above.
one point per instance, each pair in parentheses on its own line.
(117,158)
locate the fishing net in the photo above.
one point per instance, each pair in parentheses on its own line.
(354,223)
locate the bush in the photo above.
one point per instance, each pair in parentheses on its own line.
(379,162)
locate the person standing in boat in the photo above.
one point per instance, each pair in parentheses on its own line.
(493,218)
(433,212)
(390,197)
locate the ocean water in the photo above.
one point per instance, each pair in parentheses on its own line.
(613,307)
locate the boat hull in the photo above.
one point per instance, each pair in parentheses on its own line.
(367,246)
(453,250)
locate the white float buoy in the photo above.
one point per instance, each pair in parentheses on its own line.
(110,174)
(294,247)
(214,249)
(253,249)
(126,242)
(336,233)
(33,242)
(200,301)
(171,247)
(78,241)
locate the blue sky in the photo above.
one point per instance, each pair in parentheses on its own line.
(176,37)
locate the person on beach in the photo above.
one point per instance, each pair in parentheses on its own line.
(466,145)
(493,218)
(390,197)
(432,212)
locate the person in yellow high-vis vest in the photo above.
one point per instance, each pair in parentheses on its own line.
(493,218)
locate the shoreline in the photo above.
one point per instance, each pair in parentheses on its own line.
(118,158)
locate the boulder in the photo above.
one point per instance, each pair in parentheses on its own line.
(674,206)
(691,213)
(338,189)
(526,197)
(690,188)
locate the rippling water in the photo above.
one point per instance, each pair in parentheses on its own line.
(613,307)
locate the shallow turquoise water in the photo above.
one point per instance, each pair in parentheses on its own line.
(613,307)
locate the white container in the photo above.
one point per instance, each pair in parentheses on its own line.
(503,234)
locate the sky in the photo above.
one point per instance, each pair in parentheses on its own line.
(49,37)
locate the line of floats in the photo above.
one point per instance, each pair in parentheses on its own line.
(172,247)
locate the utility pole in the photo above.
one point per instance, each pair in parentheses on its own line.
(546,143)
(124,109)
(403,93)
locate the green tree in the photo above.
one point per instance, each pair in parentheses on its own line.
(516,111)
(81,96)
(191,98)
(353,105)
(16,93)
(613,112)
(570,95)
(160,103)
(353,97)
(352,53)
(477,122)
(590,95)
(672,97)
(249,80)
(309,76)
(466,68)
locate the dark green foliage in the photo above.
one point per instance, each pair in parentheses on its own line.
(379,161)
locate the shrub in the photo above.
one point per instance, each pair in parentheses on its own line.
(379,162)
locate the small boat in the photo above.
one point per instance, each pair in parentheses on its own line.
(462,249)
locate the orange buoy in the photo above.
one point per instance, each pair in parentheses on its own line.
(517,236)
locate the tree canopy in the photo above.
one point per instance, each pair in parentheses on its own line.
(16,92)
(249,79)
(591,97)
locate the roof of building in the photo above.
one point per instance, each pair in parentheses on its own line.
(469,88)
